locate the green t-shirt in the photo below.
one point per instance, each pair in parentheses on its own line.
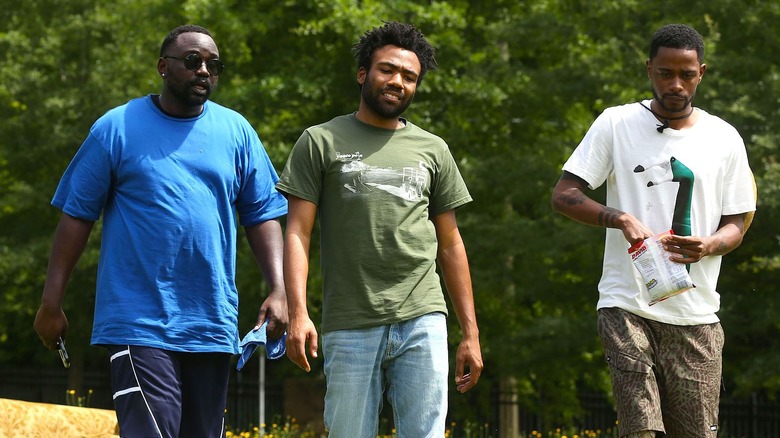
(376,191)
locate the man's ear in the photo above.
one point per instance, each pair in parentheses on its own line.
(649,65)
(361,76)
(162,66)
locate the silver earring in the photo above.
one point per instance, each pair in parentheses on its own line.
(163,75)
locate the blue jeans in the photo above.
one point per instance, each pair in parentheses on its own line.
(409,359)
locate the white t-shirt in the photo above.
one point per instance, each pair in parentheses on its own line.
(698,175)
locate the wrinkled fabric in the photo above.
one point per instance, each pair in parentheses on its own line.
(274,348)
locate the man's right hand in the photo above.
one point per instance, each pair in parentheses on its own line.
(70,239)
(299,331)
(633,230)
(50,324)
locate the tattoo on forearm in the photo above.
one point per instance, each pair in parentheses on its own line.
(572,199)
(722,247)
(608,217)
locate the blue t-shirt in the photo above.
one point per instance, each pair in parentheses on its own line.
(171,191)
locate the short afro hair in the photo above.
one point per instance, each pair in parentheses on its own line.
(402,35)
(187,28)
(677,36)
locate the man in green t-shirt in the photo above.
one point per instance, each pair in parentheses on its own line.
(386,193)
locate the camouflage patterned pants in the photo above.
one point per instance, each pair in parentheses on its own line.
(664,377)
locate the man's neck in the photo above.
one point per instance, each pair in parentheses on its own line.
(372,119)
(174,110)
(683,120)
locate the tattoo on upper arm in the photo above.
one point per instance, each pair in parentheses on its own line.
(608,217)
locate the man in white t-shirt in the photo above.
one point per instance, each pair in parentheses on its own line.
(667,166)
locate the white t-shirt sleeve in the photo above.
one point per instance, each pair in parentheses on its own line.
(592,159)
(738,193)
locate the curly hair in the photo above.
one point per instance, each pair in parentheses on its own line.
(677,36)
(402,35)
(172,35)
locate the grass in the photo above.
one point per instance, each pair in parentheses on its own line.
(289,428)
(82,401)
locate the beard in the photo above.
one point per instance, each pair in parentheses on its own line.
(676,106)
(185,95)
(374,100)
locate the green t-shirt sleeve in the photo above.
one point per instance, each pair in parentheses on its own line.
(302,175)
(449,190)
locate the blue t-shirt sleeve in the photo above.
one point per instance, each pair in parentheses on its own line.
(259,200)
(85,185)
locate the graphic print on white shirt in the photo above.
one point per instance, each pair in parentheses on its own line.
(673,170)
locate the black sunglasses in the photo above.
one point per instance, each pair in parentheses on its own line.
(193,61)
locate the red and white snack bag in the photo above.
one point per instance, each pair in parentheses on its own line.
(663,278)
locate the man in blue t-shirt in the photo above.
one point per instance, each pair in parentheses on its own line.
(171,174)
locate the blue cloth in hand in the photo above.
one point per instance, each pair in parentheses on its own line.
(274,348)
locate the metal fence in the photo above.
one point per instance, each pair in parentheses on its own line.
(756,416)
(752,417)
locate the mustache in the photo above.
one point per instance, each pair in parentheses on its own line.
(202,83)
(395,90)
